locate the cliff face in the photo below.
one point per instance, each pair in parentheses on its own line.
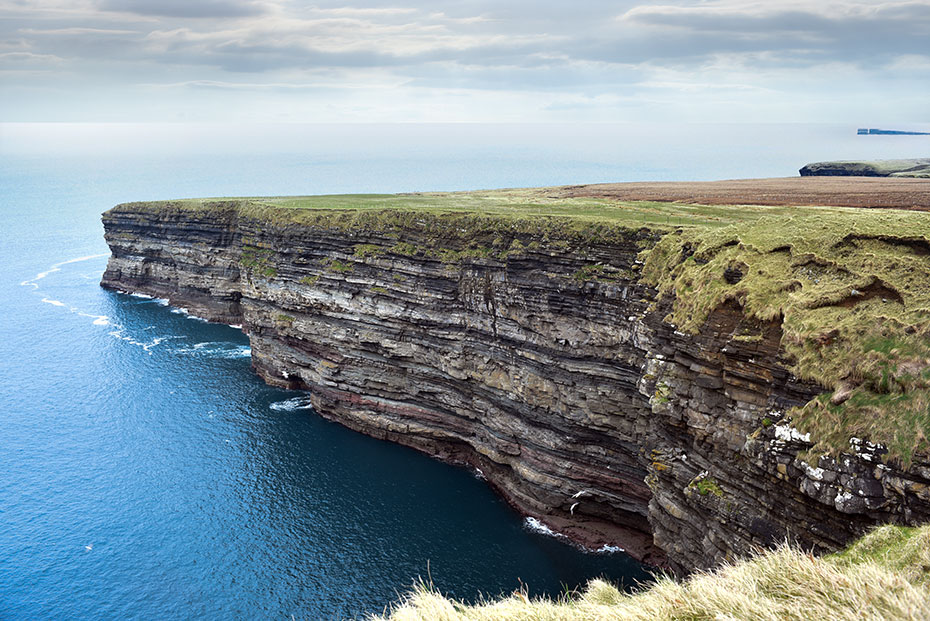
(919,168)
(546,365)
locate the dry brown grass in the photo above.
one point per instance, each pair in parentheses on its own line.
(883,577)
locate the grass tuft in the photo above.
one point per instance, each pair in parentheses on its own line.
(883,576)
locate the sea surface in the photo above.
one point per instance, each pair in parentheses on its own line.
(145,472)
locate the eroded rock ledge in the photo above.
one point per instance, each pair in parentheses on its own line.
(539,358)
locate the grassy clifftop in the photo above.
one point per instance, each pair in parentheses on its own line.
(493,206)
(852,291)
(883,576)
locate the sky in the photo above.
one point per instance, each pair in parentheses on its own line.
(334,61)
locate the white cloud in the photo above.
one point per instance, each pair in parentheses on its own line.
(341,57)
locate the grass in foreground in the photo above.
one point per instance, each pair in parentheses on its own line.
(883,576)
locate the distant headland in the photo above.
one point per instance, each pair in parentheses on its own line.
(888,132)
(879,168)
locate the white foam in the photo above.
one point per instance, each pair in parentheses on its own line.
(57,268)
(536,526)
(146,346)
(217,349)
(292,405)
(606,549)
(53,302)
(186,313)
(144,296)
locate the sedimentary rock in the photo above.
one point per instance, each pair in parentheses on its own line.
(536,357)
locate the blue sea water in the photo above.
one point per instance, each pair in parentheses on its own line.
(145,472)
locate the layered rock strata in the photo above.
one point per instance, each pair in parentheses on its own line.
(545,364)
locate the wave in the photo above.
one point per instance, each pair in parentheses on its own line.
(216,349)
(146,346)
(531,523)
(213,350)
(186,313)
(536,526)
(293,404)
(33,282)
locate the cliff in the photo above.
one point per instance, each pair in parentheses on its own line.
(919,168)
(515,332)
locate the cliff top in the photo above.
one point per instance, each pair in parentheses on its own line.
(507,204)
(623,201)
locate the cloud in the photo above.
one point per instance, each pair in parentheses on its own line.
(55,32)
(186,8)
(601,56)
(821,32)
(29,57)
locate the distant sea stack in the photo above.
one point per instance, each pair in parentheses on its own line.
(879,168)
(888,132)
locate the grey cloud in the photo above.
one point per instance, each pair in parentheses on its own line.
(517,45)
(886,31)
(186,8)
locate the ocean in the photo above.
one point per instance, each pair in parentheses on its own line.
(145,472)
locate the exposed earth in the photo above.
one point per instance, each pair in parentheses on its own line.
(902,193)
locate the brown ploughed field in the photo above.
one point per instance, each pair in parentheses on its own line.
(902,193)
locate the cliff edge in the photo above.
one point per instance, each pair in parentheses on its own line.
(918,168)
(689,382)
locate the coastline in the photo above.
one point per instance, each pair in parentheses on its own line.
(533,371)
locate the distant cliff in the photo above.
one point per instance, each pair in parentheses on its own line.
(888,132)
(880,168)
(626,384)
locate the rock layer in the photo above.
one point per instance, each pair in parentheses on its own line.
(549,367)
(919,168)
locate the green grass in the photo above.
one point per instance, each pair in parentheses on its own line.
(882,577)
(705,485)
(851,291)
(338,266)
(510,205)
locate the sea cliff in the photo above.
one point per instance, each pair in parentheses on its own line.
(919,168)
(518,335)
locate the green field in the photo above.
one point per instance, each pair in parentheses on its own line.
(519,204)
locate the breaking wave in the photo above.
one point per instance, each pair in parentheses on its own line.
(33,282)
(292,405)
(216,349)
